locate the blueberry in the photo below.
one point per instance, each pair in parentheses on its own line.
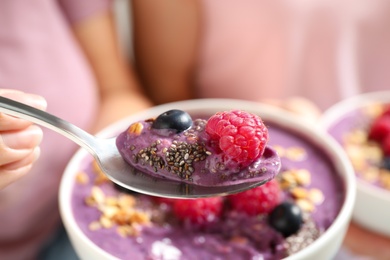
(386,163)
(174,119)
(286,218)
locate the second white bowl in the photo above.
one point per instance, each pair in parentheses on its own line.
(372,202)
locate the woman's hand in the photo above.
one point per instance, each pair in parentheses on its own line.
(19,139)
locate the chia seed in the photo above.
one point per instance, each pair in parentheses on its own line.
(307,234)
(180,156)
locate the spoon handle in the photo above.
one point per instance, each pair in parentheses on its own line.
(23,111)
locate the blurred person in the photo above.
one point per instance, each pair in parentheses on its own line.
(322,50)
(301,55)
(64,55)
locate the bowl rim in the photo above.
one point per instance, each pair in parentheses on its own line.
(281,117)
(332,116)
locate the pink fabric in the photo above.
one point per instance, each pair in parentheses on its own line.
(324,50)
(38,54)
(76,10)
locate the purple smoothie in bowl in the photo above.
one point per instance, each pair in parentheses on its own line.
(352,132)
(314,194)
(353,123)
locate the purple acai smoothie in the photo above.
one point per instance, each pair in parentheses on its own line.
(135,226)
(355,131)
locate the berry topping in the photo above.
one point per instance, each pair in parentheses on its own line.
(199,211)
(386,145)
(380,131)
(240,135)
(286,218)
(380,128)
(261,199)
(174,119)
(386,110)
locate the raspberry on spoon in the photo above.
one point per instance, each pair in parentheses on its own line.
(239,135)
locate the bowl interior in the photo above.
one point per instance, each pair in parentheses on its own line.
(209,106)
(336,113)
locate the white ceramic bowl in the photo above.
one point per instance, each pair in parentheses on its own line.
(372,203)
(324,247)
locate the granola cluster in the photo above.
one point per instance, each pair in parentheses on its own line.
(120,211)
(295,182)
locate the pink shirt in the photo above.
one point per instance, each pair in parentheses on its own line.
(324,50)
(38,54)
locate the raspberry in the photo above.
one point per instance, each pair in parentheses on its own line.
(386,111)
(199,211)
(380,128)
(260,200)
(386,145)
(240,135)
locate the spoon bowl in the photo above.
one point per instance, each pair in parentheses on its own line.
(111,162)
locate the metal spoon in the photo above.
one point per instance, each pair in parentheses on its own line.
(111,162)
